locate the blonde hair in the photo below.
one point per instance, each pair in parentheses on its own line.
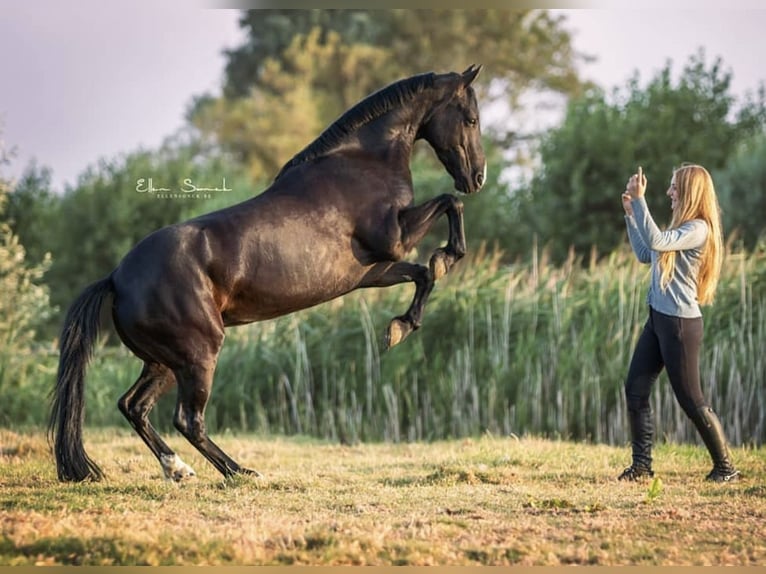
(697,200)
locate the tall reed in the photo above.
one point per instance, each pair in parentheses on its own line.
(528,348)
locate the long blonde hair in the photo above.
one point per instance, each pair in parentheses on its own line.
(697,200)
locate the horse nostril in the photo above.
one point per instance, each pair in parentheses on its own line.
(480,179)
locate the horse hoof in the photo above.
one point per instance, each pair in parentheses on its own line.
(242,477)
(175,469)
(397,331)
(438,265)
(250,472)
(182,476)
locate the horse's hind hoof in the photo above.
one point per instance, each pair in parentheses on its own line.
(396,332)
(250,472)
(242,477)
(182,476)
(175,469)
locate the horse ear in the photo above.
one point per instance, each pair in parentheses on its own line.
(470,74)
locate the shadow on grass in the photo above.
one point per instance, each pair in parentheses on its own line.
(74,551)
(450,475)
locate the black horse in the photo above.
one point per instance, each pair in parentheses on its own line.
(339,216)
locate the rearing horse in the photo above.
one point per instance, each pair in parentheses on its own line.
(339,216)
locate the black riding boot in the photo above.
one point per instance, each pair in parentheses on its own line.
(711,431)
(642,433)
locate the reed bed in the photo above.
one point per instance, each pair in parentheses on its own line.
(525,349)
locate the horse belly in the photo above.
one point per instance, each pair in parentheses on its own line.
(284,285)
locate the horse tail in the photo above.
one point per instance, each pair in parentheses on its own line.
(78,337)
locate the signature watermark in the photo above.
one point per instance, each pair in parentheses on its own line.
(187,190)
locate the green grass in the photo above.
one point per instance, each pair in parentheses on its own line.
(483,501)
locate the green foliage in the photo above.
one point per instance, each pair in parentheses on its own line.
(300,69)
(271,32)
(23,306)
(741,187)
(575,196)
(31,211)
(522,48)
(313,82)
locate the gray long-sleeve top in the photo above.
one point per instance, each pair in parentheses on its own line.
(679,298)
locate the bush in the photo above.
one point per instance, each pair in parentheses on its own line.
(24,304)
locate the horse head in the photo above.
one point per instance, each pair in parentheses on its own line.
(454,131)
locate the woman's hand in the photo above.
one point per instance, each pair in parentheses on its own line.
(635,188)
(636,184)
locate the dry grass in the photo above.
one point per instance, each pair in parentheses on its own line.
(492,501)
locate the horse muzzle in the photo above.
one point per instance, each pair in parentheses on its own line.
(475,183)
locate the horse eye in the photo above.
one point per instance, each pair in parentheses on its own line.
(471,121)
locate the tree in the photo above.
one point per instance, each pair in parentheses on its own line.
(271,32)
(313,80)
(521,47)
(300,69)
(741,190)
(574,199)
(30,211)
(23,299)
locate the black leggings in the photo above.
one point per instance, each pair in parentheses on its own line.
(673,343)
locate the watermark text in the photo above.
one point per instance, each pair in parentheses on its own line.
(187,190)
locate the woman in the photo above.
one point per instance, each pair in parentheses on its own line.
(685,265)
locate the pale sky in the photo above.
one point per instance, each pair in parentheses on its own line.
(85,80)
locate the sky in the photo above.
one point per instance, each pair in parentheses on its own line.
(85,80)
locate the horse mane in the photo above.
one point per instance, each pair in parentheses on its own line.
(368,109)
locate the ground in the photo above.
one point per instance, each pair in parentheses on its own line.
(484,501)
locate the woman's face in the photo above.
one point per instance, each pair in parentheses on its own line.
(673,193)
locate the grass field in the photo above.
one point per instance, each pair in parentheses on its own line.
(490,500)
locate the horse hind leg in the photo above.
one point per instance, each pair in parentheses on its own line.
(155,380)
(194,385)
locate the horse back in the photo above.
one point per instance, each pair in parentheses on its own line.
(308,238)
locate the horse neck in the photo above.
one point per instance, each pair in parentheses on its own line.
(401,126)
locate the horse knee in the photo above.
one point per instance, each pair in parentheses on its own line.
(457,203)
(180,422)
(122,404)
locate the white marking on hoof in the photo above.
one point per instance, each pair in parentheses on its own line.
(175,469)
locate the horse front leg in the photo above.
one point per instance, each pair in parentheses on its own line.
(416,221)
(387,274)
